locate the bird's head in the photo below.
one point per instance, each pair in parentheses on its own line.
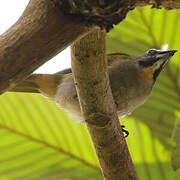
(152,63)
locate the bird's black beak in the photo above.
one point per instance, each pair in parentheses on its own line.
(165,55)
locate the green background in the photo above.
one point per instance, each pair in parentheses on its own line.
(39,141)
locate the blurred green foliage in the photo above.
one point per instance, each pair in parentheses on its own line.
(39,141)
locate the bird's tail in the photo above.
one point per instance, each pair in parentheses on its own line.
(39,83)
(28,85)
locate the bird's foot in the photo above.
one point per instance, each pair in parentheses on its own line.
(124,131)
(157,4)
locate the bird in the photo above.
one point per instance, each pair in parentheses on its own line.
(131,81)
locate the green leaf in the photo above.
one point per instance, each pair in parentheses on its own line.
(151,158)
(39,141)
(176,148)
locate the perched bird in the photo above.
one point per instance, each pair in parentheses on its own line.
(131,80)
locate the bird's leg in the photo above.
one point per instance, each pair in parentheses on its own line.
(125,131)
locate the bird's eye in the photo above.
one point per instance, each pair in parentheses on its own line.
(152,51)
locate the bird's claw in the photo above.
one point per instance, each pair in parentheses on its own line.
(156,4)
(124,131)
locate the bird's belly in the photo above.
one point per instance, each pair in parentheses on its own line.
(72,107)
(66,98)
(129,106)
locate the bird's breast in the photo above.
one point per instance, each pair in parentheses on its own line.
(129,88)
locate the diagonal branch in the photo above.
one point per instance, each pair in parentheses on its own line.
(91,77)
(41,33)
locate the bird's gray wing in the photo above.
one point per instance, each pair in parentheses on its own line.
(65,71)
(116,57)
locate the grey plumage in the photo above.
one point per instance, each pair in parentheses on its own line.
(131,81)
